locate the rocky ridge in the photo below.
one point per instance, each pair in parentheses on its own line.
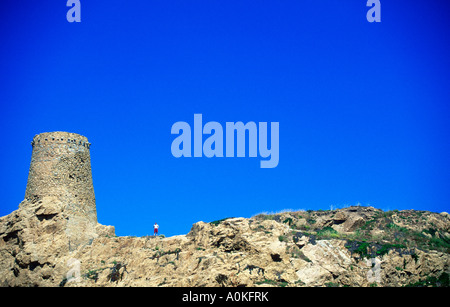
(354,246)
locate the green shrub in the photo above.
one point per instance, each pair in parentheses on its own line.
(282,238)
(217,222)
(327,232)
(431,281)
(288,221)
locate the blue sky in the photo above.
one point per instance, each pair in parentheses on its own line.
(363,107)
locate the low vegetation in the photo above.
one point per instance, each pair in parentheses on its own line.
(378,233)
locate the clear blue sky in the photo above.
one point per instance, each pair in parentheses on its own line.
(363,107)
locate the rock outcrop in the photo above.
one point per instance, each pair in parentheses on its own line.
(355,246)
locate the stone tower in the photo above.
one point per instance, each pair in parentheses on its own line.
(60,168)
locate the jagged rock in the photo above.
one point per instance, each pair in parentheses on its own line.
(352,223)
(315,248)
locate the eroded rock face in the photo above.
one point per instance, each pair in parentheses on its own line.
(289,249)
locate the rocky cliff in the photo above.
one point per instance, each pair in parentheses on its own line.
(355,246)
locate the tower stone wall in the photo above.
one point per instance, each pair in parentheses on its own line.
(60,168)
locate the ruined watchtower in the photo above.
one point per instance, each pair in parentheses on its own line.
(61,167)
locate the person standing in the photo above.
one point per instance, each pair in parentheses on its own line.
(155,229)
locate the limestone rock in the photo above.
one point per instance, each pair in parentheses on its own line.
(37,249)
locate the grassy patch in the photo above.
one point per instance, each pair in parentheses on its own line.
(431,281)
(327,233)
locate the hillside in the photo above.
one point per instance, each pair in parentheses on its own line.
(355,246)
